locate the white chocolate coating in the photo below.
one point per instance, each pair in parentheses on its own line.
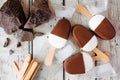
(95,21)
(56,41)
(88,61)
(91,44)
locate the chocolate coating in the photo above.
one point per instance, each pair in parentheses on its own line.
(75,64)
(62,28)
(40,13)
(105,30)
(11,16)
(25,35)
(81,35)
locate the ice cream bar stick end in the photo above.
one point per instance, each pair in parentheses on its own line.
(108,54)
(80,8)
(103,57)
(96,58)
(50,56)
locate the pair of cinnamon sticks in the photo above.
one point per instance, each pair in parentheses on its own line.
(27,69)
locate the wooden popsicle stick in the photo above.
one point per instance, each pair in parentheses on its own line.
(15,67)
(20,65)
(80,8)
(104,58)
(33,60)
(96,58)
(108,54)
(25,66)
(35,72)
(50,56)
(31,71)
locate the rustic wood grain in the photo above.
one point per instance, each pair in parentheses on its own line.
(41,48)
(6,59)
(41,45)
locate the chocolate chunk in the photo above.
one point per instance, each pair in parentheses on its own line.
(39,14)
(25,35)
(7,42)
(11,52)
(19,44)
(38,33)
(12,16)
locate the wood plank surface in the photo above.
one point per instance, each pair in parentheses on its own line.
(41,45)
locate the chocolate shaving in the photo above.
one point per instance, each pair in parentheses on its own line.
(19,44)
(11,52)
(12,16)
(25,35)
(39,14)
(38,34)
(7,42)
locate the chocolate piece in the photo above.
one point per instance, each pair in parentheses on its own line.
(19,44)
(11,52)
(7,42)
(38,33)
(25,35)
(11,16)
(40,13)
(105,30)
(75,64)
(81,35)
(62,28)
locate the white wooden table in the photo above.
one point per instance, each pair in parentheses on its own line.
(41,46)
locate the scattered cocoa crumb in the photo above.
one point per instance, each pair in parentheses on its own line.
(11,51)
(47,36)
(41,69)
(7,42)
(50,25)
(19,44)
(55,19)
(38,33)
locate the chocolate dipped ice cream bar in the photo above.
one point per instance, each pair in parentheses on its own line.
(78,64)
(87,41)
(58,37)
(98,24)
